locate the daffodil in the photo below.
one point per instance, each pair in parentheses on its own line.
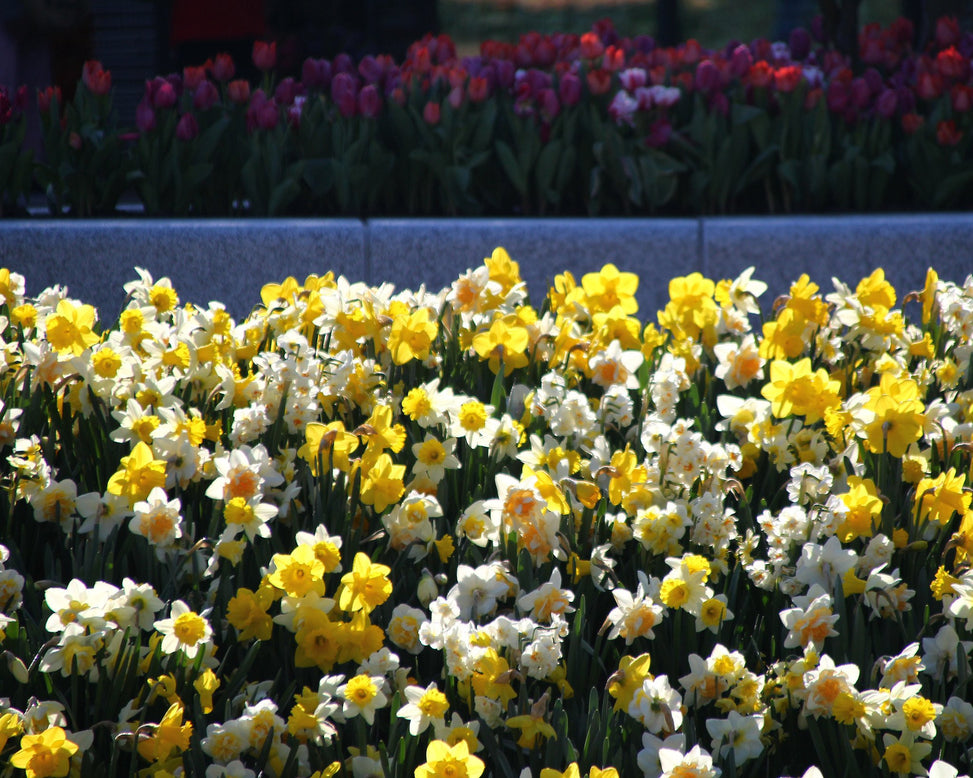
(446,761)
(45,754)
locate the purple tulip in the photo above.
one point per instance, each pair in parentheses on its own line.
(206,96)
(187,128)
(144,116)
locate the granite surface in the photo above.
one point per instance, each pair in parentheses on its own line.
(229,260)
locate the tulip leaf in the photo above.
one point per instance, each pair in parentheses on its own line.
(511,167)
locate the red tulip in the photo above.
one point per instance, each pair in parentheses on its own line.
(478,89)
(238,91)
(192,77)
(912,122)
(265,55)
(223,68)
(591,46)
(431,113)
(95,78)
(961,96)
(787,78)
(947,134)
(599,81)
(46,96)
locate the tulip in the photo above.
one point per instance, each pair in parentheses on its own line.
(46,96)
(478,89)
(591,46)
(163,94)
(287,90)
(206,96)
(267,115)
(187,128)
(238,91)
(569,89)
(344,92)
(264,55)
(223,68)
(787,78)
(369,102)
(741,61)
(947,134)
(659,134)
(861,95)
(911,123)
(887,103)
(144,116)
(929,85)
(342,64)
(800,43)
(953,65)
(455,97)
(761,75)
(95,78)
(633,78)
(707,76)
(599,81)
(961,98)
(431,113)
(614,58)
(947,32)
(192,77)
(719,103)
(316,73)
(549,105)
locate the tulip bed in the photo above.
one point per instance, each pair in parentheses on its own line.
(379,532)
(595,124)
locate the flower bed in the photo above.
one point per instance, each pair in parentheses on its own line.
(595,124)
(367,532)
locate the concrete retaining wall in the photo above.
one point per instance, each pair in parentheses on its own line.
(229,260)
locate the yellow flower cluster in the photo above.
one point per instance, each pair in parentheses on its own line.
(451,533)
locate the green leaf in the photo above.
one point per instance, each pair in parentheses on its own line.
(511,167)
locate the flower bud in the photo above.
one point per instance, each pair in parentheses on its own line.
(427,590)
(16,667)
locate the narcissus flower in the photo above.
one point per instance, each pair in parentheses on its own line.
(412,336)
(446,761)
(184,630)
(366,587)
(46,754)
